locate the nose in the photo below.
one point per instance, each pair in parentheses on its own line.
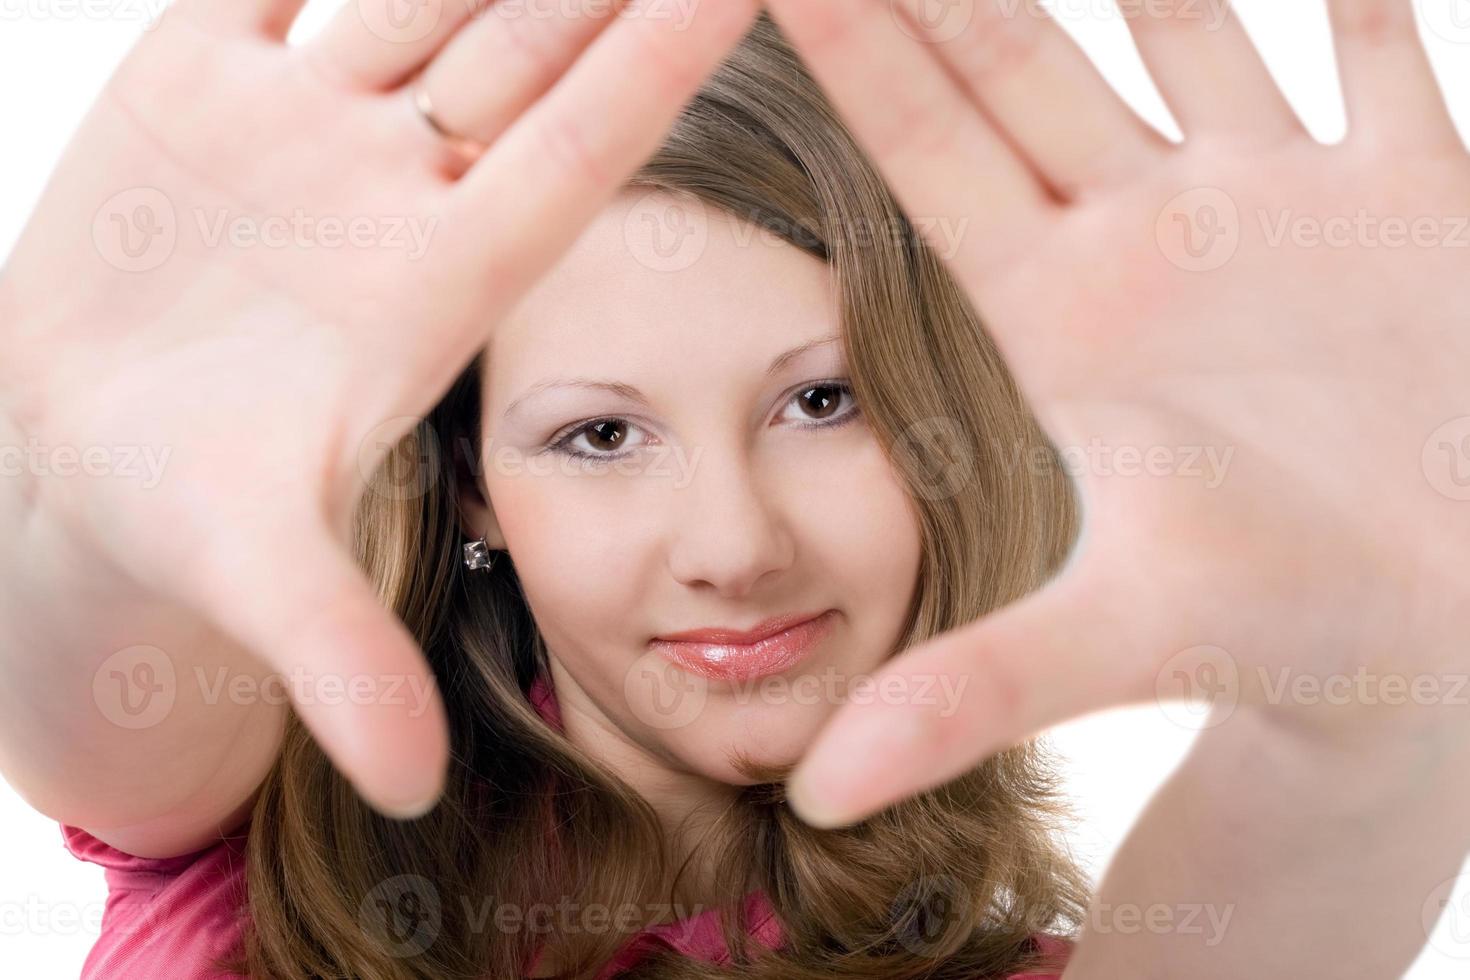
(727,529)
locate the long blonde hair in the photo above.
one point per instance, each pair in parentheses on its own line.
(335,890)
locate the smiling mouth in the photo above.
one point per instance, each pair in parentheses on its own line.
(714,656)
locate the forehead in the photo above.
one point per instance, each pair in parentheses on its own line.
(663,281)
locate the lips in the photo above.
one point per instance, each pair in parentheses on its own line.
(770,647)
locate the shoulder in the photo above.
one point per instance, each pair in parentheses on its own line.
(169,916)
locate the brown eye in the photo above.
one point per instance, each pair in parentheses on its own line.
(605,435)
(600,440)
(820,401)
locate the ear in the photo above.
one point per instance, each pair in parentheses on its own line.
(476,512)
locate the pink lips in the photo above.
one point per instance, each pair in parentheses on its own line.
(732,655)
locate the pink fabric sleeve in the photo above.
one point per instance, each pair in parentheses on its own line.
(1053,946)
(165,917)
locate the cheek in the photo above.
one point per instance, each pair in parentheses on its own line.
(569,553)
(867,527)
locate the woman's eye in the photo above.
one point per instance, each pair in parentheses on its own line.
(821,404)
(604,438)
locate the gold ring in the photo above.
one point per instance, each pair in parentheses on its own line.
(463,145)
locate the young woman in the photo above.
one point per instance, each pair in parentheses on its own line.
(670,438)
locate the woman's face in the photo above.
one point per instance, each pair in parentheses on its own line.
(669,445)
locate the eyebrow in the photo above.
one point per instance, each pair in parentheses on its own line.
(633,394)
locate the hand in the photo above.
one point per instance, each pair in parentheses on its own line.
(1172,300)
(168,295)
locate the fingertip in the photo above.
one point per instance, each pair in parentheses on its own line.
(813,808)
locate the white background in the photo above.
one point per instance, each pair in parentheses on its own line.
(53,60)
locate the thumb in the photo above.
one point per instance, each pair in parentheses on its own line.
(943,706)
(354,673)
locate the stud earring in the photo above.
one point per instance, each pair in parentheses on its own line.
(477,555)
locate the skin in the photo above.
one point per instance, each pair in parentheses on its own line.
(712,516)
(1338,375)
(308,362)
(1336,543)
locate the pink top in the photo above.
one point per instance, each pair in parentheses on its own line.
(171,917)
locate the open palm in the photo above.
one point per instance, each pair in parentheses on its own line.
(1250,347)
(260,259)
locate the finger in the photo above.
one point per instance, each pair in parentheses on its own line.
(378,44)
(1208,71)
(561,161)
(530,45)
(1041,90)
(355,675)
(940,154)
(1391,92)
(1056,654)
(272,18)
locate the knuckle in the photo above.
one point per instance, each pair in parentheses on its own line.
(562,145)
(524,39)
(1003,42)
